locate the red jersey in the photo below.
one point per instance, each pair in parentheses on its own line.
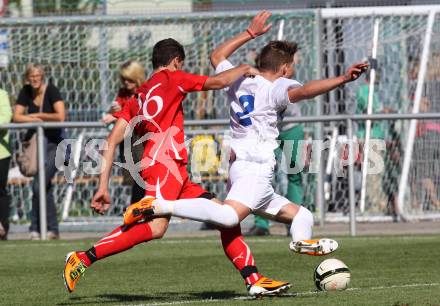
(159,114)
(123,97)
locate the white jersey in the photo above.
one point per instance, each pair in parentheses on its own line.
(256,106)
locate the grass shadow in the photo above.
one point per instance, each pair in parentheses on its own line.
(157,297)
(112,298)
(214,295)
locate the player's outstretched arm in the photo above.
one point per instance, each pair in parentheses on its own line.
(101,199)
(256,28)
(226,78)
(318,87)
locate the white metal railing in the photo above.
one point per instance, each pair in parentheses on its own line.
(379,11)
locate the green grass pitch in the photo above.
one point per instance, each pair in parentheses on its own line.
(385,271)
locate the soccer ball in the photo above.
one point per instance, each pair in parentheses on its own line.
(332,274)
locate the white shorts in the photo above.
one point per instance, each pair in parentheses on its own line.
(250,183)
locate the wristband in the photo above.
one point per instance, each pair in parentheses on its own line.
(251,33)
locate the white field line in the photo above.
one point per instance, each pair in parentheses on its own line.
(195,240)
(305,293)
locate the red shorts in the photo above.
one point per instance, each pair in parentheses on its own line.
(170,182)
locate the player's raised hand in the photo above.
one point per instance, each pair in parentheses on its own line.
(355,71)
(258,24)
(101,201)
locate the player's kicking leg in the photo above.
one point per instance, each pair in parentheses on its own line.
(314,247)
(301,230)
(238,208)
(139,210)
(233,243)
(301,218)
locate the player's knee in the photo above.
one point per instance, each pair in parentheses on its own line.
(229,223)
(158,233)
(230,217)
(158,229)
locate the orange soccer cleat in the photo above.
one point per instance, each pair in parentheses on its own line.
(268,287)
(74,268)
(314,247)
(139,210)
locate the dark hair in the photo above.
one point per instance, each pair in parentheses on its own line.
(275,54)
(165,51)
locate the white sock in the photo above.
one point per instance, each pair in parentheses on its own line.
(198,209)
(301,228)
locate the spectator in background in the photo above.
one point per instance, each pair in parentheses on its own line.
(393,169)
(377,130)
(425,177)
(40,101)
(132,75)
(5,158)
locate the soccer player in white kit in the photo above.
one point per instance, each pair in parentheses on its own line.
(257,104)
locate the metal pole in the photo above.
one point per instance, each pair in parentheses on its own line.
(413,125)
(369,112)
(351,197)
(332,103)
(27,8)
(42,182)
(103,61)
(319,131)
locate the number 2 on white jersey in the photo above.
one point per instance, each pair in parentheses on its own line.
(247,102)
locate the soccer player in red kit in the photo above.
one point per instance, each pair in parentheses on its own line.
(157,116)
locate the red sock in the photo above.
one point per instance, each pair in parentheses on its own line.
(84,258)
(239,254)
(119,240)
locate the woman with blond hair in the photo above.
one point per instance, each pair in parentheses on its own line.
(132,75)
(41,101)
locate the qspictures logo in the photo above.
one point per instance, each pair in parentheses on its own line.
(208,156)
